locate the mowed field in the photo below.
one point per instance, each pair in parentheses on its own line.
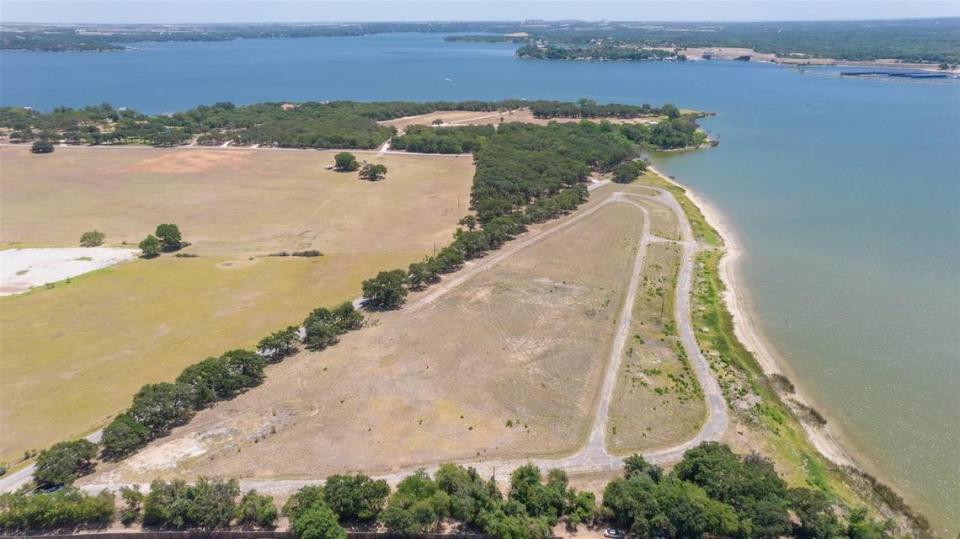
(507,365)
(73,355)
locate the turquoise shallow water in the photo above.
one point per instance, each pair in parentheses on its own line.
(845,194)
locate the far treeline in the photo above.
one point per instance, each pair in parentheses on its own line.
(933,41)
(711,492)
(331,125)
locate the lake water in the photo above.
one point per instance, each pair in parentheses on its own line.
(845,194)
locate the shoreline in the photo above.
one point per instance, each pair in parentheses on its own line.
(828,441)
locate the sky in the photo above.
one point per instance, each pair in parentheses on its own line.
(197,11)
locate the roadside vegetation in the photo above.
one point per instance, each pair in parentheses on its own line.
(710,492)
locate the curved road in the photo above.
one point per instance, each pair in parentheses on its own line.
(593,456)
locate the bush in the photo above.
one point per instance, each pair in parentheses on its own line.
(305,498)
(63,463)
(94,238)
(257,510)
(66,510)
(373,172)
(133,503)
(150,247)
(318,522)
(42,146)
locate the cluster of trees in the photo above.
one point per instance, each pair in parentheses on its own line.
(596,52)
(524,163)
(669,134)
(347,162)
(423,139)
(373,172)
(588,108)
(167,238)
(710,492)
(714,492)
(421,503)
(209,504)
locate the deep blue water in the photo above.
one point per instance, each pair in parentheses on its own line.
(844,192)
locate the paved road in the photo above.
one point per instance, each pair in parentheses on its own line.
(593,456)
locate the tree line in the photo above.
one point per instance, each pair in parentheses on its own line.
(328,125)
(711,492)
(596,52)
(338,124)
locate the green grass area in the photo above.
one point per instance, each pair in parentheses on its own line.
(698,223)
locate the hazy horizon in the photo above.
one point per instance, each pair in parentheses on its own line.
(354,11)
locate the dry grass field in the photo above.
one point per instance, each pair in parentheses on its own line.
(230,201)
(655,403)
(458,117)
(506,365)
(73,355)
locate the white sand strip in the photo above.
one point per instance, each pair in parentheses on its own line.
(22,269)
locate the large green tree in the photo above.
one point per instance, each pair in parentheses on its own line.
(345,162)
(169,236)
(387,290)
(64,462)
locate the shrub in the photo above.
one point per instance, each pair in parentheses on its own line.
(257,510)
(94,238)
(42,146)
(63,463)
(318,522)
(373,172)
(133,503)
(65,510)
(305,498)
(150,247)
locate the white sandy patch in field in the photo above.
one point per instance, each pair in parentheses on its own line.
(22,269)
